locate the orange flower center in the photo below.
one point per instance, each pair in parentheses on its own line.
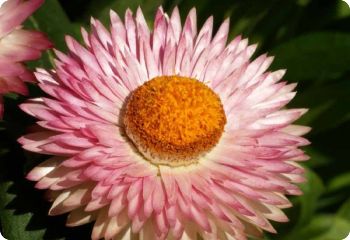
(174,120)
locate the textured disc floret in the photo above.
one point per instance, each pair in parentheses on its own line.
(174,120)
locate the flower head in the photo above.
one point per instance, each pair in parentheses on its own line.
(17,45)
(166,134)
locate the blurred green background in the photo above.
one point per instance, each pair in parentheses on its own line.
(310,38)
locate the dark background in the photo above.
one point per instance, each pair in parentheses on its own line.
(310,38)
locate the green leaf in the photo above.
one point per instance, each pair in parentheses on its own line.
(317,158)
(329,105)
(343,9)
(264,22)
(325,226)
(317,226)
(339,182)
(322,227)
(344,210)
(338,230)
(312,190)
(314,56)
(14,226)
(337,191)
(52,20)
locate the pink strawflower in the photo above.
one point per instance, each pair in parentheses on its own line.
(17,45)
(166,134)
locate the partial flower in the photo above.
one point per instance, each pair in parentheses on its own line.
(18,45)
(166,134)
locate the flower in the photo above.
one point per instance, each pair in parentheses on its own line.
(166,134)
(17,45)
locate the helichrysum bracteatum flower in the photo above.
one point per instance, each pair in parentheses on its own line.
(170,133)
(17,45)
